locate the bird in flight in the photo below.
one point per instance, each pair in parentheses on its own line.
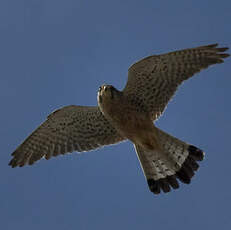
(129,115)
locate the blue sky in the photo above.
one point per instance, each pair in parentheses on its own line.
(56,53)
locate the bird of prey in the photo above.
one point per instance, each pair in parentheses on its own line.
(129,115)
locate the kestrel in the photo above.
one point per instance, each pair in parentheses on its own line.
(129,115)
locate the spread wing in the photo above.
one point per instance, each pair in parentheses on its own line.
(153,80)
(71,128)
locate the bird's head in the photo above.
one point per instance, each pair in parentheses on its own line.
(107,93)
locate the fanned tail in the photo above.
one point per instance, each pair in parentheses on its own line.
(175,161)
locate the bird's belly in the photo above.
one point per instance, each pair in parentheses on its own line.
(140,130)
(136,126)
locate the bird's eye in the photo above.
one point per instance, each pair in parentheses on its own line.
(100,88)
